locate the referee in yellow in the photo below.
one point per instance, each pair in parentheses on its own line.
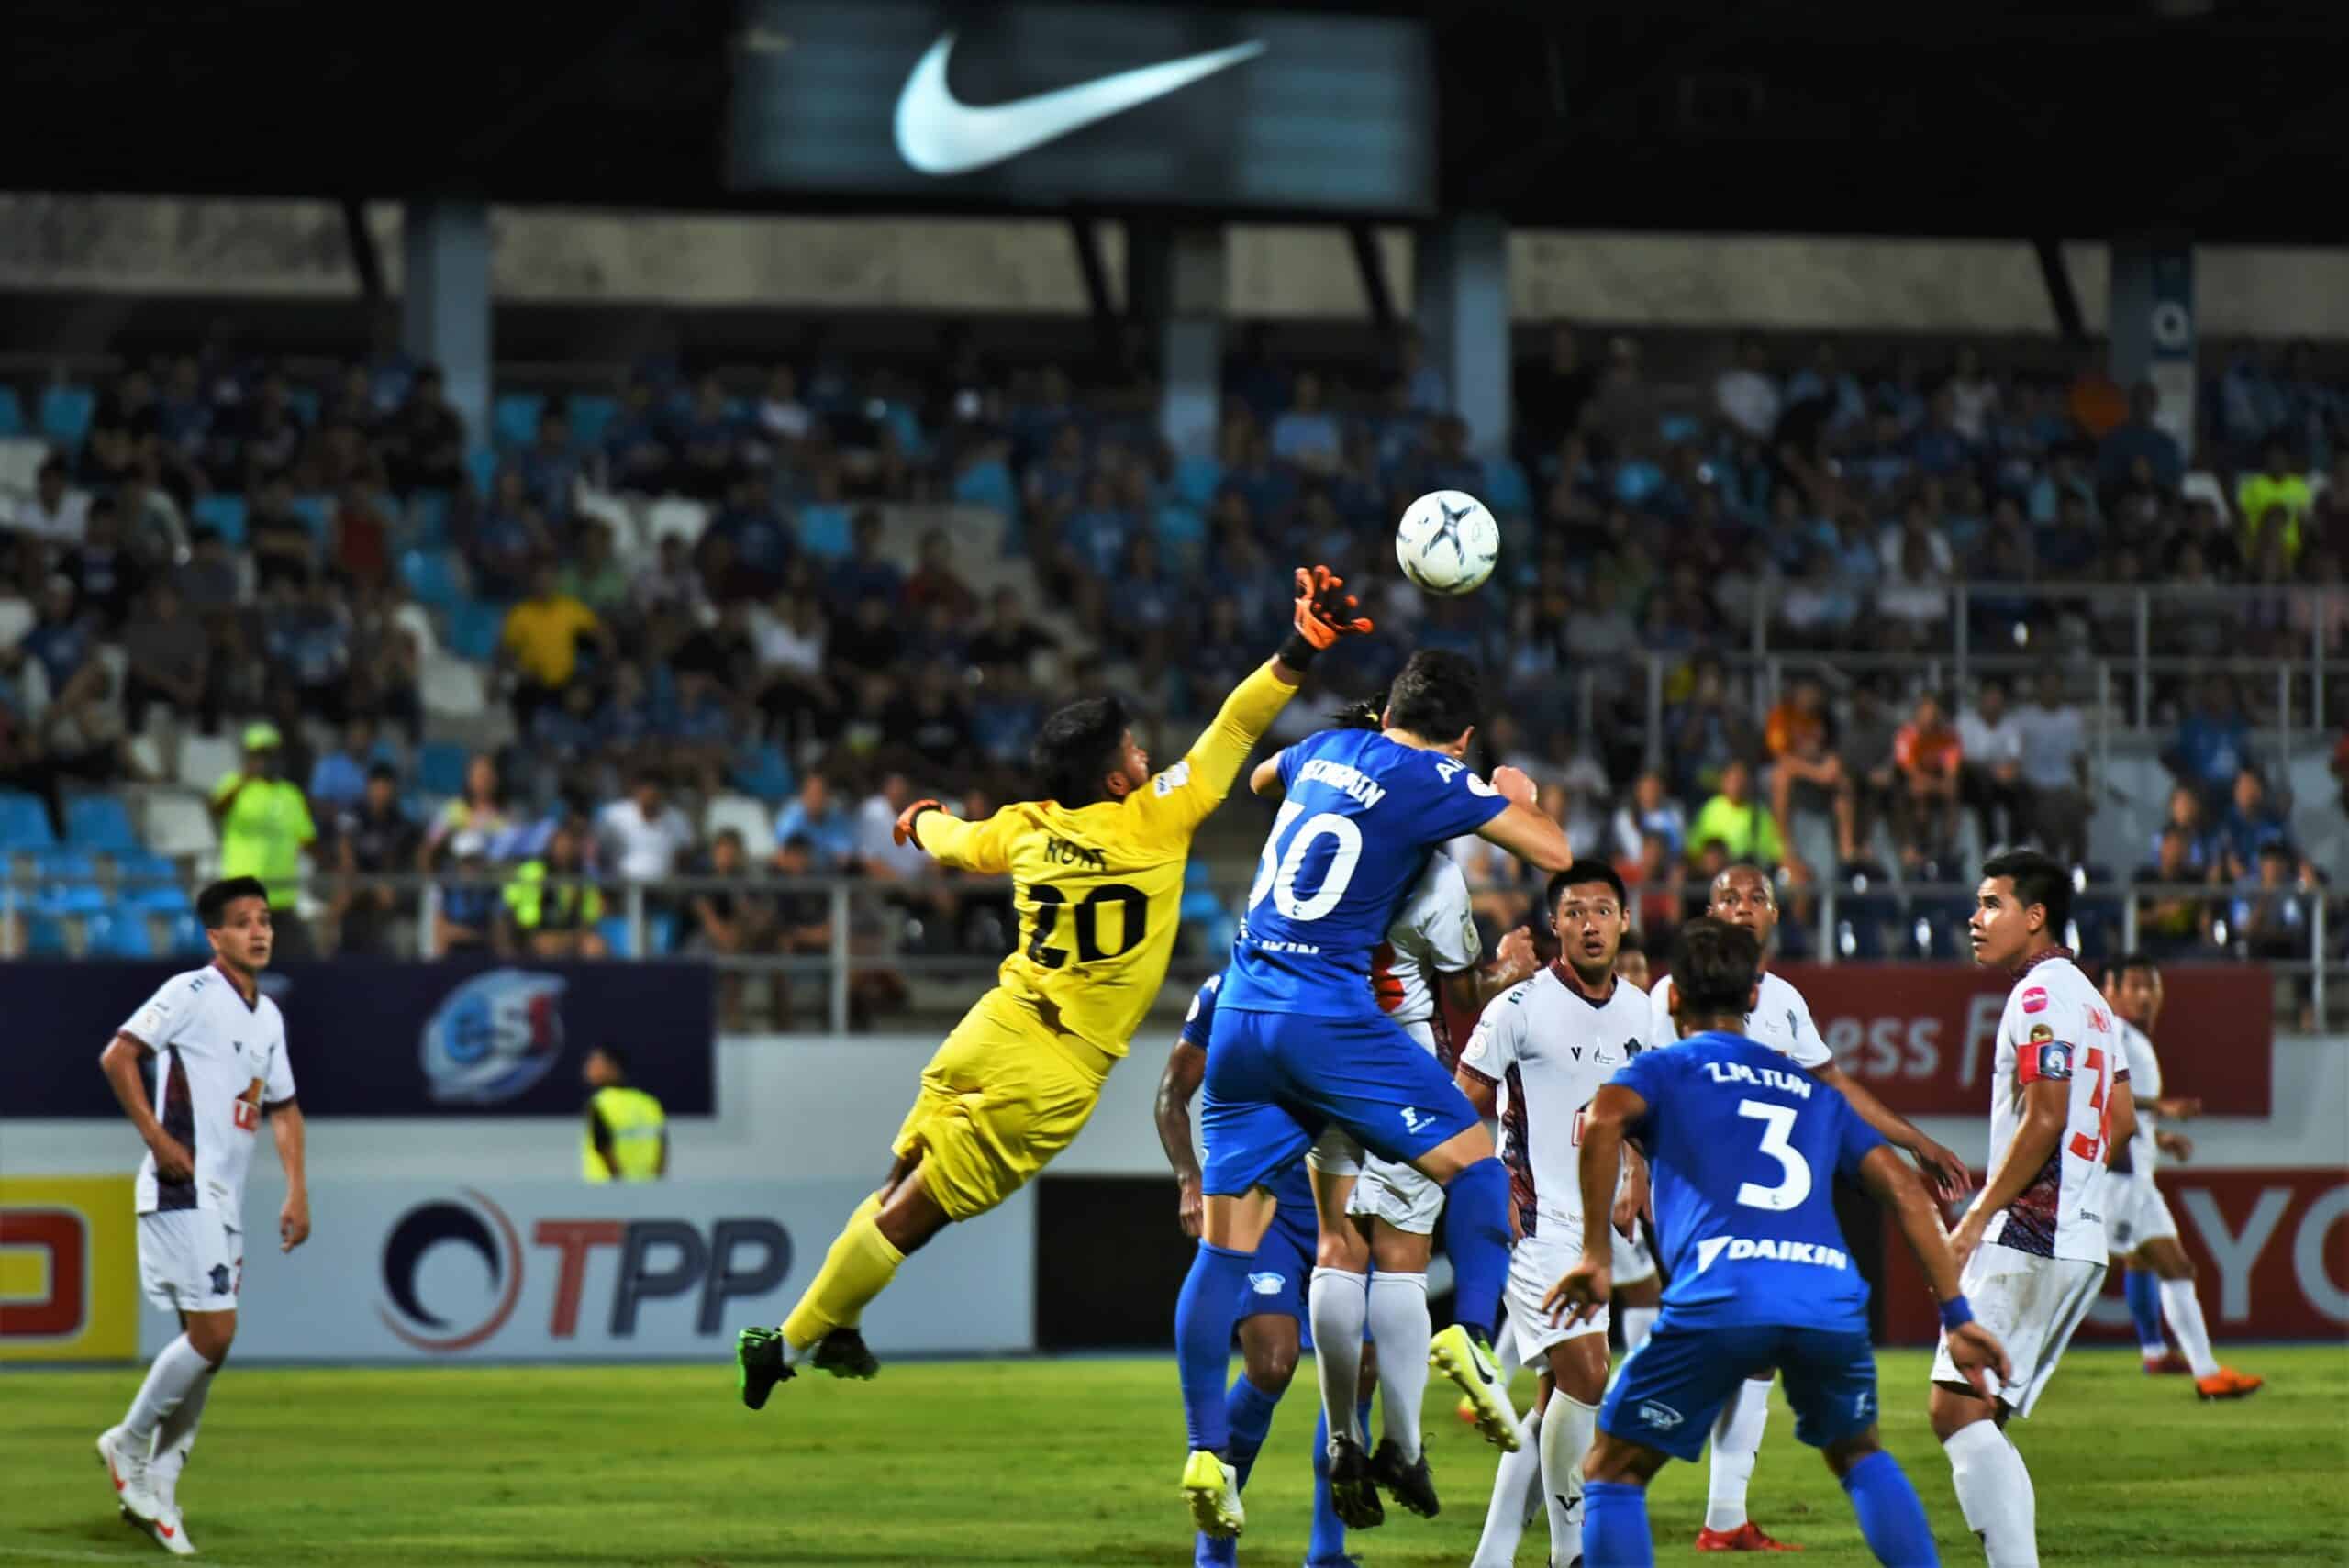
(1097,872)
(627,1139)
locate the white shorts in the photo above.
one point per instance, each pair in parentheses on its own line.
(189,1261)
(2138,1214)
(1634,1264)
(1397,1195)
(1335,1153)
(2032,1304)
(1533,1267)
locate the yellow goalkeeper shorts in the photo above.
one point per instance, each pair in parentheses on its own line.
(1004,1095)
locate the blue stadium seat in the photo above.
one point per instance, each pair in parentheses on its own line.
(24,822)
(143,865)
(119,933)
(1635,481)
(440,767)
(614,930)
(515,417)
(65,413)
(474,629)
(99,822)
(1195,479)
(12,412)
(1506,491)
(64,866)
(153,898)
(186,936)
(481,464)
(1182,534)
(591,416)
(765,772)
(987,484)
(427,518)
(224,515)
(431,578)
(67,898)
(1675,428)
(824,531)
(317,513)
(45,938)
(305,404)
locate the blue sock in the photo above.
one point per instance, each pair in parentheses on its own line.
(1476,1220)
(1327,1542)
(1248,1416)
(1891,1516)
(1204,1315)
(2144,1295)
(1615,1526)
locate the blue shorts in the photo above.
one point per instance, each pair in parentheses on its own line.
(1282,1270)
(1674,1385)
(1276,1080)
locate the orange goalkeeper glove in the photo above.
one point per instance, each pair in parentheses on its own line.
(1325,612)
(903,833)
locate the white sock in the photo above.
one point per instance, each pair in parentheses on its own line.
(1337,1303)
(2154,1352)
(175,1372)
(1637,1321)
(1737,1438)
(1517,1493)
(2183,1309)
(1566,1431)
(1993,1493)
(1398,1321)
(1505,1355)
(176,1434)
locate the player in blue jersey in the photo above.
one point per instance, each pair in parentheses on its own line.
(1274,1325)
(1742,1148)
(1300,1052)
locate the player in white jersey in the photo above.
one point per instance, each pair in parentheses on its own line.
(1535,1059)
(1378,1228)
(2031,1247)
(2139,1232)
(216,1047)
(1742,895)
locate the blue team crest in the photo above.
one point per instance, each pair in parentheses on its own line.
(493,1038)
(1662,1416)
(1267,1284)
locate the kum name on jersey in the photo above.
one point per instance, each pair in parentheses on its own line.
(1343,777)
(1798,1083)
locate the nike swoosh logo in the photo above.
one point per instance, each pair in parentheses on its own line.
(938,134)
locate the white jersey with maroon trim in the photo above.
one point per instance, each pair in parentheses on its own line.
(2057,1028)
(1546,1048)
(1435,933)
(1780,1020)
(218,1065)
(2145,1086)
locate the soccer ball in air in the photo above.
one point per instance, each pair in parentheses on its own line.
(1447,542)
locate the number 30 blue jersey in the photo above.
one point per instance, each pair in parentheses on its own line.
(1742,1146)
(1349,843)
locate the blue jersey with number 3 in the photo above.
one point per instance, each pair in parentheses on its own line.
(1349,843)
(1742,1147)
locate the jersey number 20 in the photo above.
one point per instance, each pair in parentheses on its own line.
(1085,918)
(1278,876)
(1776,1121)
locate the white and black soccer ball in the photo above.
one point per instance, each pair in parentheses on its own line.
(1447,542)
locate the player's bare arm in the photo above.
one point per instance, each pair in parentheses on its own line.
(121,1062)
(293,1219)
(1521,829)
(1896,1186)
(2046,1103)
(1947,1172)
(2121,1107)
(1584,1289)
(1468,990)
(1186,1065)
(1631,1198)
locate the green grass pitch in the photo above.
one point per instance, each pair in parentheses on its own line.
(1057,1463)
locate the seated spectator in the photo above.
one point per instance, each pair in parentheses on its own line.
(702,731)
(55,512)
(568,733)
(386,664)
(931,723)
(363,539)
(272,433)
(935,581)
(2251,822)
(803,915)
(284,549)
(2171,920)
(468,919)
(548,468)
(1094,536)
(1928,754)
(170,661)
(424,441)
(1009,636)
(1652,884)
(643,835)
(1938,449)
(2279,484)
(1651,810)
(822,822)
(1808,774)
(865,572)
(2052,738)
(783,419)
(339,777)
(593,574)
(508,541)
(1306,435)
(481,810)
(1866,744)
(758,546)
(306,634)
(373,837)
(877,850)
(669,590)
(628,721)
(541,640)
(1990,776)
(2213,741)
(710,443)
(638,453)
(1913,597)
(2140,438)
(1741,825)
(1704,730)
(2275,913)
(867,641)
(554,910)
(1747,395)
(62,640)
(207,580)
(1818,607)
(735,921)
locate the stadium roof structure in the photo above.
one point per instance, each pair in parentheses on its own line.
(2219,119)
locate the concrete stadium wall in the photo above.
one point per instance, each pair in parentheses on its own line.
(297,250)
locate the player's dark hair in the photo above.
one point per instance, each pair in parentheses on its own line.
(617,1056)
(1437,697)
(1577,873)
(1631,943)
(212,904)
(1077,748)
(2038,879)
(1363,715)
(1714,968)
(2134,963)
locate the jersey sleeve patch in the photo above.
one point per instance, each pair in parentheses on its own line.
(2035,1000)
(1173,779)
(2047,1059)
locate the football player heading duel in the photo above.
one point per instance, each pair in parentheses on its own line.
(1096,869)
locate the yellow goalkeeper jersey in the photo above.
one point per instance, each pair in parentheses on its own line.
(1098,888)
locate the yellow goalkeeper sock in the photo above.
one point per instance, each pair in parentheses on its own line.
(858,1268)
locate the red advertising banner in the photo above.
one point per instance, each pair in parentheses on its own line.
(1923,1036)
(2270,1251)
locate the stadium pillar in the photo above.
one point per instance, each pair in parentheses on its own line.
(2150,319)
(445,308)
(1175,281)
(1462,288)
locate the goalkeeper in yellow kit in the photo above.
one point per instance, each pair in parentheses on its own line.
(1097,872)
